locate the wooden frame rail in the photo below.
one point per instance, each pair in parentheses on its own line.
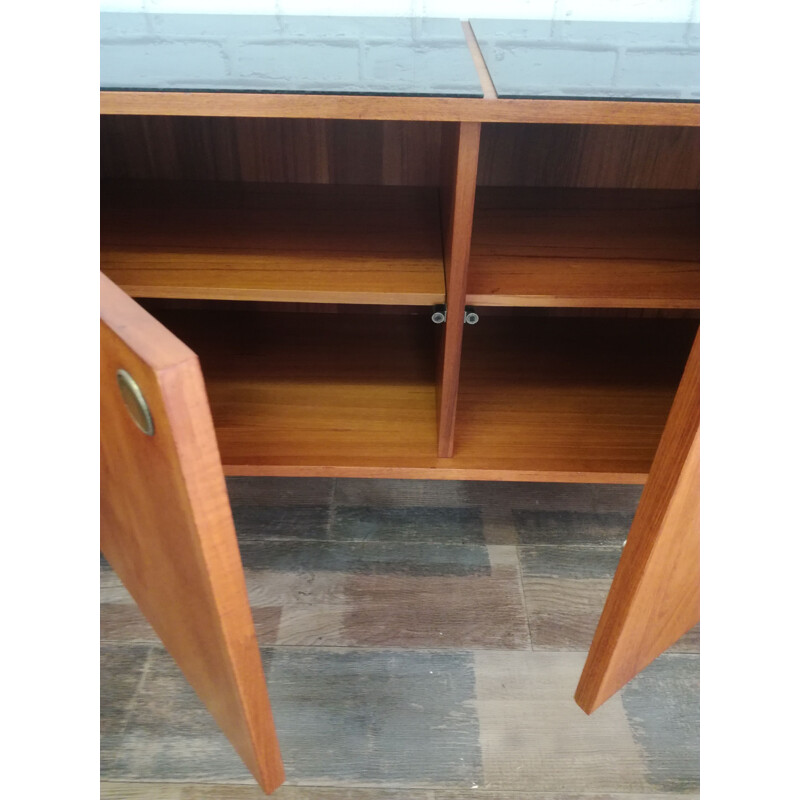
(442,109)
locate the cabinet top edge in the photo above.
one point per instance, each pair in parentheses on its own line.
(405,108)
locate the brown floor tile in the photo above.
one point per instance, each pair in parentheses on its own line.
(482,609)
(435,612)
(563,612)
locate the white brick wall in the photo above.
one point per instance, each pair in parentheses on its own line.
(645,10)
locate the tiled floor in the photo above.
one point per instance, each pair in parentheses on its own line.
(421,639)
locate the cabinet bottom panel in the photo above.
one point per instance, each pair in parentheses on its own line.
(354,395)
(569,397)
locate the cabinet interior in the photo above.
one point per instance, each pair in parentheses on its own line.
(586,216)
(276,210)
(332,236)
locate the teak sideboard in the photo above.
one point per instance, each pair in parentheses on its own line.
(296,203)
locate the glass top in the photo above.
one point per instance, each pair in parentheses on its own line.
(591,60)
(299,55)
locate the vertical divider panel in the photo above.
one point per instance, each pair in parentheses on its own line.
(460,143)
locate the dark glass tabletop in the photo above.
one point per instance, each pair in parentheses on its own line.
(308,55)
(591,60)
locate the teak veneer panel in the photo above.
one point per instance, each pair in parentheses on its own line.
(655,596)
(284,242)
(591,156)
(374,107)
(358,152)
(302,393)
(394,152)
(460,161)
(166,526)
(600,248)
(577,399)
(353,395)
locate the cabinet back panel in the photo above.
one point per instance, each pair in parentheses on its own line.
(394,152)
(275,150)
(629,157)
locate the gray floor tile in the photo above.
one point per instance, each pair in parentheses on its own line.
(573,527)
(408,524)
(552,561)
(349,717)
(121,671)
(245,490)
(662,704)
(366,557)
(255,522)
(389,717)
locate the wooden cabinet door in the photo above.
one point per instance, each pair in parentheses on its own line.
(166,526)
(655,596)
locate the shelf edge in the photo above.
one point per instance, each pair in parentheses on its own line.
(432,473)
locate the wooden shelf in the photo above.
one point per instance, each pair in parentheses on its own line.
(307,393)
(568,399)
(354,394)
(599,248)
(309,243)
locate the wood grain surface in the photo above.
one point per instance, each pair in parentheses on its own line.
(600,156)
(369,152)
(460,165)
(357,152)
(598,248)
(444,109)
(279,242)
(167,531)
(354,395)
(314,391)
(655,596)
(569,397)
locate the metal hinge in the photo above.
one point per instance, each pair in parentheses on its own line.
(440,315)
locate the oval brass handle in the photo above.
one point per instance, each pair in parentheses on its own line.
(134,401)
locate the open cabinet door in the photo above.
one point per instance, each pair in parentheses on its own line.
(655,596)
(166,526)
